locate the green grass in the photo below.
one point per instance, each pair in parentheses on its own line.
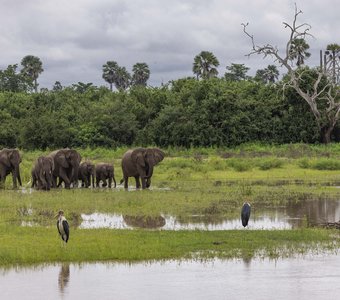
(211,182)
(41,245)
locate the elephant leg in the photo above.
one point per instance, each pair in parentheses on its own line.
(110,182)
(137,182)
(97,181)
(14,177)
(63,176)
(126,182)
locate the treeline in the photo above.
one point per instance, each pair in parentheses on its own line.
(186,112)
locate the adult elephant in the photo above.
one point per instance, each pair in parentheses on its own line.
(10,160)
(86,174)
(42,173)
(105,173)
(66,166)
(139,163)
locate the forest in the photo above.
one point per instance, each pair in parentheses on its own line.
(186,112)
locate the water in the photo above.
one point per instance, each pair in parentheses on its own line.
(292,216)
(311,277)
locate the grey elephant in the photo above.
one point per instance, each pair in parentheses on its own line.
(66,167)
(86,174)
(139,163)
(42,173)
(105,173)
(10,160)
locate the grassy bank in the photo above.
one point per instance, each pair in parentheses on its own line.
(40,245)
(207,182)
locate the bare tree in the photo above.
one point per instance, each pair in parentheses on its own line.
(322,95)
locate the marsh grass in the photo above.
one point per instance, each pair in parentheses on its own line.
(42,244)
(210,182)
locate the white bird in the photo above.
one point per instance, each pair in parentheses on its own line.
(62,226)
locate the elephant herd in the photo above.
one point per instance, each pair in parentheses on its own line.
(64,166)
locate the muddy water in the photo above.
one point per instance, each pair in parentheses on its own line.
(292,216)
(313,277)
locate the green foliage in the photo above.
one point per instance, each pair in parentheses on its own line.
(186,113)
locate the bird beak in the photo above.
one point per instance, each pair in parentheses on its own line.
(56,216)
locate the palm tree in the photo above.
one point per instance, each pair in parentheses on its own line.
(267,75)
(123,79)
(32,67)
(205,64)
(141,74)
(298,50)
(110,72)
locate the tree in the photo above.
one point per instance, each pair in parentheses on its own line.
(123,79)
(205,64)
(32,67)
(110,72)
(332,62)
(82,87)
(57,86)
(237,72)
(267,75)
(298,50)
(12,81)
(322,95)
(141,74)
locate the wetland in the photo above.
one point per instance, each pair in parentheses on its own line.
(187,223)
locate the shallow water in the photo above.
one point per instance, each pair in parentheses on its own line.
(293,216)
(311,277)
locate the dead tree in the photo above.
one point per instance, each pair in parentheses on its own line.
(323,96)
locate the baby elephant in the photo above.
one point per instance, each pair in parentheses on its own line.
(86,174)
(105,172)
(42,173)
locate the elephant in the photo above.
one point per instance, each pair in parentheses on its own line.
(86,174)
(105,172)
(139,163)
(42,173)
(10,160)
(66,167)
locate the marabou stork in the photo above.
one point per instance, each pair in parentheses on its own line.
(245,214)
(62,226)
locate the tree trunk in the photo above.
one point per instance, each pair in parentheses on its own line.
(326,134)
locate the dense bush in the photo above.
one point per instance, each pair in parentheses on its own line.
(186,113)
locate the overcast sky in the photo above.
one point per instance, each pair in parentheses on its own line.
(74,38)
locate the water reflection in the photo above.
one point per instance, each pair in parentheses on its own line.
(304,278)
(304,213)
(144,221)
(64,277)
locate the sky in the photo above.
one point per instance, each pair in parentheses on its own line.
(74,38)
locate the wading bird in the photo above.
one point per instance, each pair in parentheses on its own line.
(62,226)
(245,214)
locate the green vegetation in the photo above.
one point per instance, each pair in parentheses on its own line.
(189,182)
(186,113)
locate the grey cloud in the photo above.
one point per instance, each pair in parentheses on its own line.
(75,38)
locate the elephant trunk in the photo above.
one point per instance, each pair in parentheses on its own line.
(149,172)
(74,175)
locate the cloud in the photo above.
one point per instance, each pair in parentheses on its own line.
(75,38)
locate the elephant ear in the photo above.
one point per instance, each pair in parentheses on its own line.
(158,155)
(61,159)
(138,156)
(4,158)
